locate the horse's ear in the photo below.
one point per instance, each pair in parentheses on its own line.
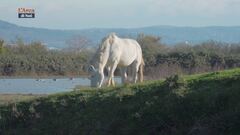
(111,38)
(91,69)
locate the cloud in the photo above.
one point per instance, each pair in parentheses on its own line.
(194,7)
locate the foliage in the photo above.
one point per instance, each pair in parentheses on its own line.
(1,46)
(151,47)
(199,104)
(184,58)
(36,59)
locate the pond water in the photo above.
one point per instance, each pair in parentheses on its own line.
(40,86)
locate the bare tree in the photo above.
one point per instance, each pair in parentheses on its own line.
(78,43)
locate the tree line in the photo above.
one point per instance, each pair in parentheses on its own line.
(161,60)
(185,58)
(34,59)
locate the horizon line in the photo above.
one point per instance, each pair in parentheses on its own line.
(138,27)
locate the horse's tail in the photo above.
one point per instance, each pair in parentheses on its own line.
(141,70)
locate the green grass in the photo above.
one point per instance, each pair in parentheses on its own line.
(203,104)
(6,99)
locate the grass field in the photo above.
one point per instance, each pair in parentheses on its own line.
(14,98)
(203,104)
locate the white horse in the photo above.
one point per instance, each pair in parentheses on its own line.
(113,52)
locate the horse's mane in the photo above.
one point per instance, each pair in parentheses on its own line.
(96,57)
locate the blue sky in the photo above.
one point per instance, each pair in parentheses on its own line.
(80,14)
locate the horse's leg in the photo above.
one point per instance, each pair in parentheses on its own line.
(135,71)
(113,68)
(112,81)
(109,79)
(123,74)
(109,82)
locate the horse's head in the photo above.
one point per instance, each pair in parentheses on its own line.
(96,77)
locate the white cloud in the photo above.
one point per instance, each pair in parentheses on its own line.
(197,7)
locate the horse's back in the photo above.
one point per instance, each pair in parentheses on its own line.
(130,51)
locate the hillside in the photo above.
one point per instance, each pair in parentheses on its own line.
(203,104)
(170,34)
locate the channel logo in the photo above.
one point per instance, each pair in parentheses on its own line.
(26,13)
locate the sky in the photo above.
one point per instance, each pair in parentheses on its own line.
(82,14)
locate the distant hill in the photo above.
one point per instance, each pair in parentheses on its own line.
(170,34)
